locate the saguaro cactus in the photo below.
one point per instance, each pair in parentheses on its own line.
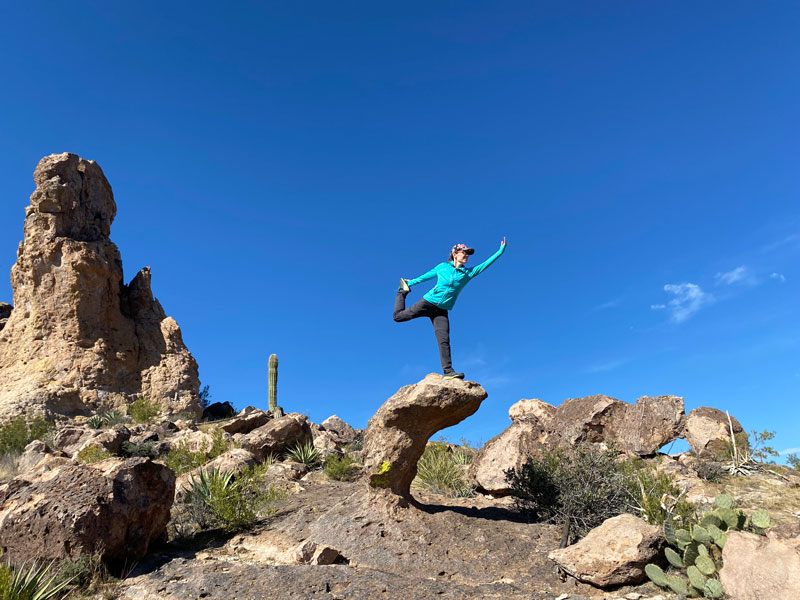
(272,377)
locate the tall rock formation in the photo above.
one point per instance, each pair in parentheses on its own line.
(79,340)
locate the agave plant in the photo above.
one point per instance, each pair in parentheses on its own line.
(304,453)
(114,417)
(209,482)
(95,422)
(31,582)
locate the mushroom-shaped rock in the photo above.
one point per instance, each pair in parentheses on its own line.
(397,434)
(615,553)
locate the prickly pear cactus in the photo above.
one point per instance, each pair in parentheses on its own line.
(697,551)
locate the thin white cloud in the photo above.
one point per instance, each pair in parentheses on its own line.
(789,451)
(737,275)
(788,240)
(606,305)
(777,276)
(688,299)
(607,366)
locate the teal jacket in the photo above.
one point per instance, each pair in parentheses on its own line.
(450,281)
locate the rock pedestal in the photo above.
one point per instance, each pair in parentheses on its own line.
(79,339)
(397,434)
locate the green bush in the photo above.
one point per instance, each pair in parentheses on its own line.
(339,467)
(578,488)
(93,454)
(182,460)
(16,434)
(233,503)
(794,461)
(653,495)
(442,471)
(143,410)
(140,449)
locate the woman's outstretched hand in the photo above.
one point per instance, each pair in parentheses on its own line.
(503,243)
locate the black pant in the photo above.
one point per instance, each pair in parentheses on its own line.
(439,318)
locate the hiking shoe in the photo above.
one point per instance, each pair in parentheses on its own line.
(453,375)
(404,287)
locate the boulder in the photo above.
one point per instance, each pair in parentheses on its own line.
(71,438)
(613,554)
(277,436)
(219,410)
(5,312)
(309,553)
(110,439)
(247,420)
(119,506)
(324,441)
(34,454)
(708,432)
(342,432)
(397,434)
(638,429)
(194,441)
(79,339)
(756,568)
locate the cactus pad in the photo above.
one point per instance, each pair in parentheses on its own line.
(690,554)
(724,501)
(696,578)
(713,589)
(669,534)
(677,585)
(700,534)
(760,518)
(673,557)
(683,537)
(711,519)
(656,575)
(729,517)
(706,565)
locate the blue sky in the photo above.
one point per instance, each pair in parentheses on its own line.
(281,165)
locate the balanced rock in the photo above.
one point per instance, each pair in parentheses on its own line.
(119,506)
(756,568)
(639,429)
(613,554)
(397,434)
(79,339)
(708,431)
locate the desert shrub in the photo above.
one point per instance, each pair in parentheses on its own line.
(793,460)
(9,465)
(138,449)
(653,495)
(93,454)
(182,460)
(743,453)
(304,453)
(439,471)
(88,577)
(16,434)
(339,467)
(710,470)
(204,395)
(233,503)
(29,582)
(143,410)
(578,488)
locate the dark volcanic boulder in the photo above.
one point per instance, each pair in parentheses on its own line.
(119,506)
(219,410)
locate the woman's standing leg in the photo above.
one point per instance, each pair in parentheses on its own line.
(441,328)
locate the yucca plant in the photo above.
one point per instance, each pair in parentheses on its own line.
(114,417)
(95,422)
(304,453)
(440,471)
(30,582)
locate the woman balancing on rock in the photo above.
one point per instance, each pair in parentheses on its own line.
(451,276)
